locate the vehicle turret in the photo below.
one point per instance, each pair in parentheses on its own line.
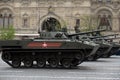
(56,34)
(52,35)
(87,33)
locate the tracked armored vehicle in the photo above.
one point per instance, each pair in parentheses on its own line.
(104,46)
(114,49)
(51,48)
(112,46)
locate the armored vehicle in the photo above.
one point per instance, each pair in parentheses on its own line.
(51,48)
(114,49)
(105,47)
(109,40)
(90,38)
(117,53)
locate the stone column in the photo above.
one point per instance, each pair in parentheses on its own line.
(119,23)
(115,23)
(16,21)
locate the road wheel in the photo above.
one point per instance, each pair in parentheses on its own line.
(106,56)
(79,56)
(16,63)
(6,56)
(66,63)
(75,62)
(28,62)
(53,62)
(41,62)
(91,58)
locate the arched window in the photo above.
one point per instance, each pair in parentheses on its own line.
(10,20)
(1,20)
(6,18)
(100,1)
(104,20)
(25,20)
(77,26)
(51,24)
(108,0)
(78,22)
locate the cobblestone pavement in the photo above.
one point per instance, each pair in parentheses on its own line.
(103,69)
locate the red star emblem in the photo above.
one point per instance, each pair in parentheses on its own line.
(44,45)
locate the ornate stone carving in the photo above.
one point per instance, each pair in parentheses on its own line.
(115,4)
(78,2)
(25,2)
(51,9)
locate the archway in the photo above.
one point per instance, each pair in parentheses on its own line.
(51,24)
(104,19)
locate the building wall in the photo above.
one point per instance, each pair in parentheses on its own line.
(28,15)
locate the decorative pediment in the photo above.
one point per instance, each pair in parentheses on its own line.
(51,9)
(25,2)
(78,1)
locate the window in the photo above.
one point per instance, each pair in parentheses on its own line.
(100,0)
(51,24)
(1,20)
(6,19)
(25,20)
(77,26)
(108,0)
(77,22)
(105,22)
(104,19)
(10,20)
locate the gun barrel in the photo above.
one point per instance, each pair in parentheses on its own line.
(88,32)
(104,36)
(112,38)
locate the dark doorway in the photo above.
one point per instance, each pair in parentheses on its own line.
(51,24)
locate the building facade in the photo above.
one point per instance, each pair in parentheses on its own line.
(31,16)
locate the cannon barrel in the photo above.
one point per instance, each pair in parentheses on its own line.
(111,38)
(104,36)
(88,32)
